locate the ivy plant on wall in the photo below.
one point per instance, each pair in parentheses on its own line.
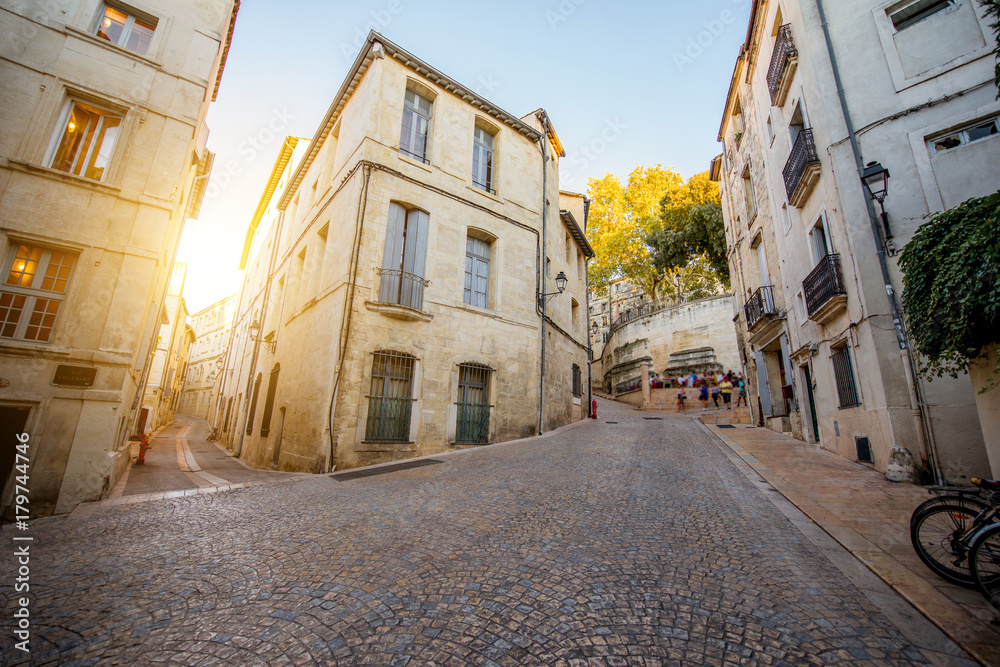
(993,11)
(951,286)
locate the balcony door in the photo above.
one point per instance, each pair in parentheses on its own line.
(819,240)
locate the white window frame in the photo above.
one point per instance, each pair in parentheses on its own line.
(413,111)
(475,261)
(132,15)
(963,137)
(485,180)
(78,168)
(34,292)
(927,9)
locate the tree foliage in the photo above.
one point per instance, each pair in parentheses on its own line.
(691,226)
(993,10)
(951,286)
(619,222)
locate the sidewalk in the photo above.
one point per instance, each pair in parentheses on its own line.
(870,517)
(180,460)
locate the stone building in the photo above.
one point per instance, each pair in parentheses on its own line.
(813,262)
(401,294)
(622,301)
(212,326)
(673,341)
(102,157)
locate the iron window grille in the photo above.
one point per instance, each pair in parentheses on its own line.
(473,404)
(847,390)
(390,401)
(864,448)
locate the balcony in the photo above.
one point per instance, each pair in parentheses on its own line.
(802,169)
(824,290)
(784,60)
(400,295)
(759,307)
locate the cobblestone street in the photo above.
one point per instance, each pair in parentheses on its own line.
(631,543)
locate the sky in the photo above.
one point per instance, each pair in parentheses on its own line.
(626,84)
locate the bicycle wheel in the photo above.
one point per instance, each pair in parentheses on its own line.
(976,503)
(936,537)
(984,563)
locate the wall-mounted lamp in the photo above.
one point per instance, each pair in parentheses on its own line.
(875,178)
(560,287)
(254,336)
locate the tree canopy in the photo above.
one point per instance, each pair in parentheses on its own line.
(951,286)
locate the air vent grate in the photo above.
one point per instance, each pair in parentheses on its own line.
(864,450)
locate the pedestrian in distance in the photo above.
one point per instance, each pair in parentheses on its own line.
(703,396)
(715,394)
(726,389)
(680,399)
(742,386)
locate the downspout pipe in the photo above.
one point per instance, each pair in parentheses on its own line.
(542,259)
(925,437)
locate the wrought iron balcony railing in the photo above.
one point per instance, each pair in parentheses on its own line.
(783,55)
(802,168)
(388,419)
(759,305)
(473,424)
(402,288)
(823,283)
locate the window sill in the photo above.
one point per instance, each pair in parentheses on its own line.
(416,163)
(398,312)
(484,193)
(94,39)
(55,174)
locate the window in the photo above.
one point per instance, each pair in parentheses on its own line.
(473,404)
(126,30)
(482,159)
(738,123)
(981,130)
(390,401)
(751,198)
(253,404)
(87,140)
(477,272)
(918,11)
(846,389)
(577,382)
(272,386)
(416,123)
(404,259)
(33,292)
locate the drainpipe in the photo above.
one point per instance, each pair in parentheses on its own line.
(542,259)
(925,435)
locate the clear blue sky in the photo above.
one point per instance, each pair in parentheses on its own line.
(626,83)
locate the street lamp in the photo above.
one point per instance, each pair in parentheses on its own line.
(876,181)
(560,287)
(254,336)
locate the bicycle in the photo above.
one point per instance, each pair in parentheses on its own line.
(942,529)
(984,559)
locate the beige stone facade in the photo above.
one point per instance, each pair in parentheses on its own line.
(813,265)
(168,367)
(102,156)
(390,305)
(696,336)
(212,326)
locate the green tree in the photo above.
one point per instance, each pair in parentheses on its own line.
(951,286)
(691,227)
(619,223)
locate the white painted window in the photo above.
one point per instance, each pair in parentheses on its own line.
(413,136)
(917,11)
(86,140)
(482,159)
(33,291)
(477,272)
(981,130)
(123,27)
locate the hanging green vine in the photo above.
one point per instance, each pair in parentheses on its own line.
(993,11)
(951,286)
